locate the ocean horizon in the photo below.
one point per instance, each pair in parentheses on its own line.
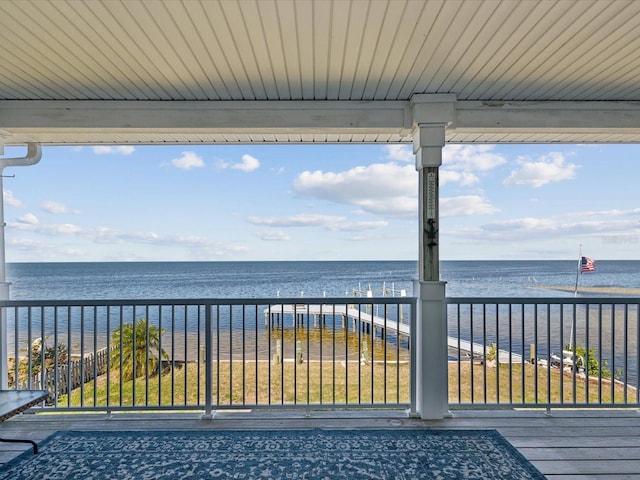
(264,279)
(312,279)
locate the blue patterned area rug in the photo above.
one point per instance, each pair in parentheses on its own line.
(287,454)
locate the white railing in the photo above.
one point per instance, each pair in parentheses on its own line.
(214,354)
(544,352)
(321,353)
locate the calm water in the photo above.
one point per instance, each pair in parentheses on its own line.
(128,280)
(176,280)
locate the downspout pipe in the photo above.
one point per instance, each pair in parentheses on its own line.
(34,154)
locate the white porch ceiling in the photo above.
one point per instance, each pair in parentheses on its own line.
(136,71)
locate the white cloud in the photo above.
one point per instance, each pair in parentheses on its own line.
(471,157)
(29,219)
(102,149)
(116,149)
(359,226)
(328,222)
(103,235)
(52,250)
(386,189)
(466,205)
(63,229)
(54,207)
(454,156)
(528,224)
(559,228)
(607,213)
(143,237)
(392,207)
(301,220)
(187,161)
(546,169)
(391,189)
(400,153)
(373,181)
(463,178)
(28,224)
(200,247)
(10,200)
(273,236)
(248,164)
(26,244)
(459,162)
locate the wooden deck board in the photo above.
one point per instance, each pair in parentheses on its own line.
(569,445)
(580,453)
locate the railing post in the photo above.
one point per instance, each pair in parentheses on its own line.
(4,339)
(208,365)
(413,323)
(431,344)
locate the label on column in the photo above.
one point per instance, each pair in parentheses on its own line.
(431,195)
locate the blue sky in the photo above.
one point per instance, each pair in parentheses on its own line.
(319,202)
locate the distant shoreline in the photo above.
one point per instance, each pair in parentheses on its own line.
(616,290)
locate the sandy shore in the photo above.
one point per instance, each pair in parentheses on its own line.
(616,290)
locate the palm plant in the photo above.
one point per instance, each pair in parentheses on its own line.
(138,348)
(32,363)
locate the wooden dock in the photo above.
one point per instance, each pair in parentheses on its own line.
(478,350)
(316,314)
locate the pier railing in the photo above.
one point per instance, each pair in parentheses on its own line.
(543,352)
(214,354)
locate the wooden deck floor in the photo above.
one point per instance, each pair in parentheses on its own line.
(568,445)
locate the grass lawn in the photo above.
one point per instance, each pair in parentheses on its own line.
(253,383)
(501,384)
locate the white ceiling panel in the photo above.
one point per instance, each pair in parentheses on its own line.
(316,50)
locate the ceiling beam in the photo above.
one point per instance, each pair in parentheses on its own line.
(547,117)
(212,116)
(99,121)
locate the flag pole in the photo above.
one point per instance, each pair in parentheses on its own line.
(575,293)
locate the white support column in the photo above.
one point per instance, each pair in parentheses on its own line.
(432,365)
(4,291)
(432,368)
(34,153)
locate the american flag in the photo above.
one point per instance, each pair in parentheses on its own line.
(587,264)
